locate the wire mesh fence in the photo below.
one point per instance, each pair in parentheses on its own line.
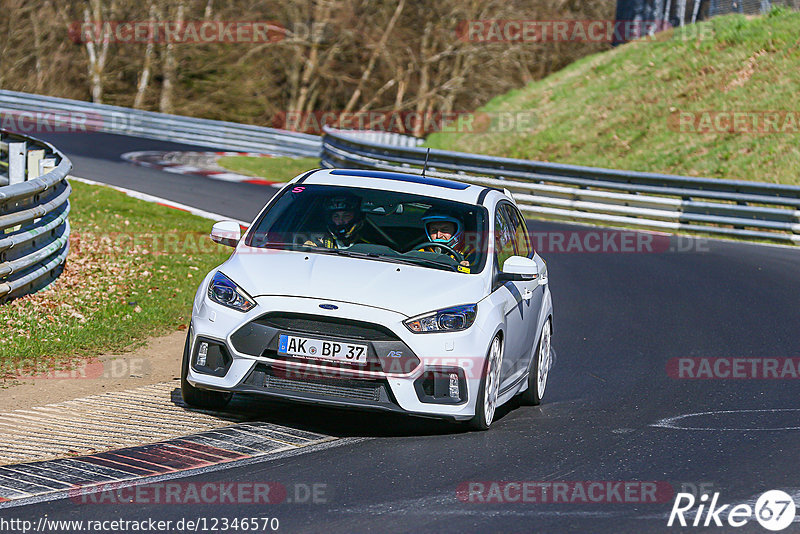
(747,7)
(680,12)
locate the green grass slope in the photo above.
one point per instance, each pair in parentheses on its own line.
(277,169)
(620,109)
(132,272)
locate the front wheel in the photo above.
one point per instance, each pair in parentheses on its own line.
(199,398)
(486,402)
(540,366)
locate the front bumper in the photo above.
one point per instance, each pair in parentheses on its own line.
(405,372)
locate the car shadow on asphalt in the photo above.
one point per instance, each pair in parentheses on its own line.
(341,422)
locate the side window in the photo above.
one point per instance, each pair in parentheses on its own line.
(521,232)
(504,236)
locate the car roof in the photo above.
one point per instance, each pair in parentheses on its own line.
(401,182)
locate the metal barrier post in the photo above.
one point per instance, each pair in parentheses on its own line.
(34,157)
(46,165)
(16,163)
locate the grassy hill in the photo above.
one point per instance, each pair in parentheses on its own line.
(622,108)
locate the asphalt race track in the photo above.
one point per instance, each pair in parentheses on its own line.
(620,319)
(96,156)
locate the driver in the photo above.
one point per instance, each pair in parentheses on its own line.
(344,221)
(449,231)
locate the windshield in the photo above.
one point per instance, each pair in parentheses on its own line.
(376,224)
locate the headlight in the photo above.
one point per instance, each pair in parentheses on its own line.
(448,320)
(223,290)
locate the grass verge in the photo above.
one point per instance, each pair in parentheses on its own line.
(622,108)
(278,169)
(132,272)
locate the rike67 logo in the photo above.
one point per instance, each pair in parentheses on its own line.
(774,510)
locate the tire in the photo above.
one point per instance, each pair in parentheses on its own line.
(540,366)
(199,398)
(486,401)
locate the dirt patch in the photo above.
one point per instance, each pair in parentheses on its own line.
(746,72)
(159,360)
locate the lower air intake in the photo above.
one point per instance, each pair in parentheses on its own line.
(365,392)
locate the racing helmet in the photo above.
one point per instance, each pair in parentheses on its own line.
(349,203)
(432,216)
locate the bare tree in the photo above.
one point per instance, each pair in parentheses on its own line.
(97,44)
(682,12)
(147,62)
(353,55)
(695,11)
(378,51)
(167,86)
(37,52)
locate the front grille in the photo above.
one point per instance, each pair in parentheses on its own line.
(280,379)
(371,365)
(387,353)
(327,326)
(361,392)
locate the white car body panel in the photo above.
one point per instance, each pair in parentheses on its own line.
(386,294)
(373,283)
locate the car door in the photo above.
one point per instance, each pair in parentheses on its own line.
(514,296)
(535,287)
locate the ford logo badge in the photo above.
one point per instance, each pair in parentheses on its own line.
(329,306)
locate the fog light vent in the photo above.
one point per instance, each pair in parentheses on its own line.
(442,385)
(211,358)
(202,354)
(454,390)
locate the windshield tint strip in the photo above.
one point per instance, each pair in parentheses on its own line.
(412,178)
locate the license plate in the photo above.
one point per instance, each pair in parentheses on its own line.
(324,350)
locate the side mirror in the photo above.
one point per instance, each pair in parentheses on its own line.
(226,233)
(518,269)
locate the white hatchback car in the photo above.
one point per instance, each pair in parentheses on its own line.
(375,290)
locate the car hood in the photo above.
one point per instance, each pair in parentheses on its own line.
(409,290)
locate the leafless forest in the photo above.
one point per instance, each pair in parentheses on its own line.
(342,55)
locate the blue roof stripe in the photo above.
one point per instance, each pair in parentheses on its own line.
(413,178)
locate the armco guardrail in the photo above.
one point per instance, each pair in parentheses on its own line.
(34,204)
(751,210)
(384,138)
(77,115)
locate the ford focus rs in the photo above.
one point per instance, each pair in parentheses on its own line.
(375,290)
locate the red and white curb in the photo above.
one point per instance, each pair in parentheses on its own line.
(128,436)
(157,159)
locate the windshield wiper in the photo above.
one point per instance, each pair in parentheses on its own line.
(366,255)
(297,247)
(427,263)
(395,259)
